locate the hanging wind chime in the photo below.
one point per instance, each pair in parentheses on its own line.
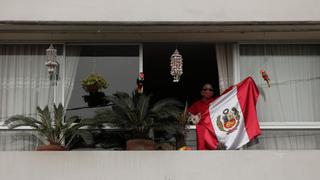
(51,63)
(176,65)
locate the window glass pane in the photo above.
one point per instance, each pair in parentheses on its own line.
(118,65)
(288,140)
(24,79)
(18,140)
(110,50)
(294,95)
(191,139)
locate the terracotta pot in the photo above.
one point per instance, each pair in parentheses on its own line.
(140,144)
(51,147)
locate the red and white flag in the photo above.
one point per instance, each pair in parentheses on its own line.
(233,115)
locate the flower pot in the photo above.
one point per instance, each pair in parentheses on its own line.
(95,99)
(51,147)
(140,144)
(92,89)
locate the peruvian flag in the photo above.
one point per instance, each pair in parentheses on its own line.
(233,115)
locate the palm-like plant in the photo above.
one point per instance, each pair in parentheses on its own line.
(136,115)
(52,127)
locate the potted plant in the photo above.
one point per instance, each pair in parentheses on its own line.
(177,129)
(93,84)
(138,117)
(51,128)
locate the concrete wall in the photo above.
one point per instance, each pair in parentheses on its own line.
(157,165)
(156,10)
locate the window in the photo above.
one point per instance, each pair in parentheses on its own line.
(24,85)
(24,81)
(289,109)
(199,67)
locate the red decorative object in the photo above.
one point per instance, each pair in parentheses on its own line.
(140,80)
(141,76)
(265,76)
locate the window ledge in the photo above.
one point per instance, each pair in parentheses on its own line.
(263,126)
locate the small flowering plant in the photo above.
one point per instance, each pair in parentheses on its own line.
(93,83)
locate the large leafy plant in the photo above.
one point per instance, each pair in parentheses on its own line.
(51,126)
(137,115)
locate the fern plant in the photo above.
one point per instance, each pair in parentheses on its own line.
(137,115)
(51,127)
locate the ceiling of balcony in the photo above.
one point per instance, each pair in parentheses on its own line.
(160,31)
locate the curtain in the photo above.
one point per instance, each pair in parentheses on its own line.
(295,80)
(68,76)
(225,54)
(25,84)
(294,92)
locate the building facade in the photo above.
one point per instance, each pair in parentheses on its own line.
(119,39)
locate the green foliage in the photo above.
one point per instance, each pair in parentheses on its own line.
(94,81)
(137,115)
(52,127)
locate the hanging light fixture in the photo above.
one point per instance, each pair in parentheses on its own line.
(176,65)
(51,63)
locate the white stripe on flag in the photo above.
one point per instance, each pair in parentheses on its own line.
(235,136)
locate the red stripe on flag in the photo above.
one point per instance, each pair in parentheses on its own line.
(248,94)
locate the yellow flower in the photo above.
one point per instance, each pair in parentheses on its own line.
(94,82)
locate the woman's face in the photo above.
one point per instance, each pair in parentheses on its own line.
(207,91)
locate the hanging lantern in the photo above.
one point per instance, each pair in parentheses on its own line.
(176,66)
(51,63)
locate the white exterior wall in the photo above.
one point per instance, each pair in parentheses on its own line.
(160,165)
(160,10)
(157,165)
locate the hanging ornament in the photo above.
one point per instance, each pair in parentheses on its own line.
(51,63)
(176,66)
(265,76)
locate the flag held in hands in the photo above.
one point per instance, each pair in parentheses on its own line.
(233,115)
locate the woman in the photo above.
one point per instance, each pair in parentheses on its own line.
(205,133)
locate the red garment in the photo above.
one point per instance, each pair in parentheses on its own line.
(206,139)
